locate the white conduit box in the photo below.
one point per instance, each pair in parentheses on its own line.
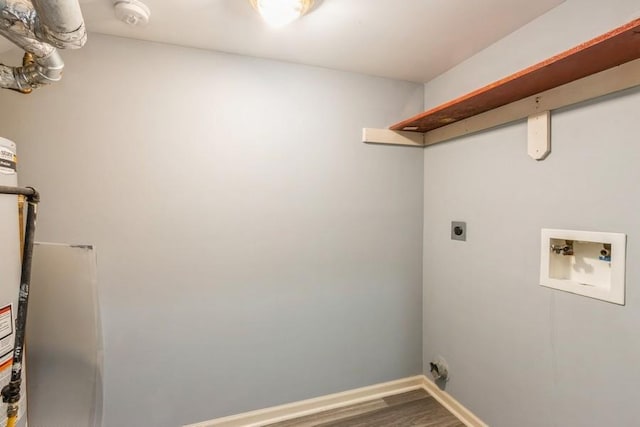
(584,263)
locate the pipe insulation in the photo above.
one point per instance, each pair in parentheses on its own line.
(60,23)
(39,28)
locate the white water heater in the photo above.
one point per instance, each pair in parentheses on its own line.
(10,266)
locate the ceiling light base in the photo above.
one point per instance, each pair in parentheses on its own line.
(278,13)
(132,12)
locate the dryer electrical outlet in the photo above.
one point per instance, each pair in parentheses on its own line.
(585,263)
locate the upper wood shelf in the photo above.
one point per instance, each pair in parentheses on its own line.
(609,50)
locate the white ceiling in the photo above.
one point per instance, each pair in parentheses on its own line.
(412,40)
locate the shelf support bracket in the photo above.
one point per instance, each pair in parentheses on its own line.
(393,137)
(539,135)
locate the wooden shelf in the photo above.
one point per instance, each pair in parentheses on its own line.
(610,50)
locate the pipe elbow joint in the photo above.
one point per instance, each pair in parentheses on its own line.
(35,73)
(35,197)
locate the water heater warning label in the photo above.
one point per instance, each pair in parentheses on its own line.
(6,330)
(8,161)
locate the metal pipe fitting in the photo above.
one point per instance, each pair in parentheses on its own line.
(39,28)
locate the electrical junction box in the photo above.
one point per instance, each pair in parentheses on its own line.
(459,230)
(584,263)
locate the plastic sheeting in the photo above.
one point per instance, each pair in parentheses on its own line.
(64,339)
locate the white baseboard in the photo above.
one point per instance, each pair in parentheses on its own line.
(339,400)
(467,417)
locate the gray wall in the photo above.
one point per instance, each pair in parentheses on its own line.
(251,250)
(520,354)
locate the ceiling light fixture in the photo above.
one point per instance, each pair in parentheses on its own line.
(278,13)
(132,12)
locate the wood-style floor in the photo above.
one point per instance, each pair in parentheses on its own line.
(414,408)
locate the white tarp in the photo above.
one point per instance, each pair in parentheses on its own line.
(64,339)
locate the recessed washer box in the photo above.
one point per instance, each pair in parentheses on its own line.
(585,263)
